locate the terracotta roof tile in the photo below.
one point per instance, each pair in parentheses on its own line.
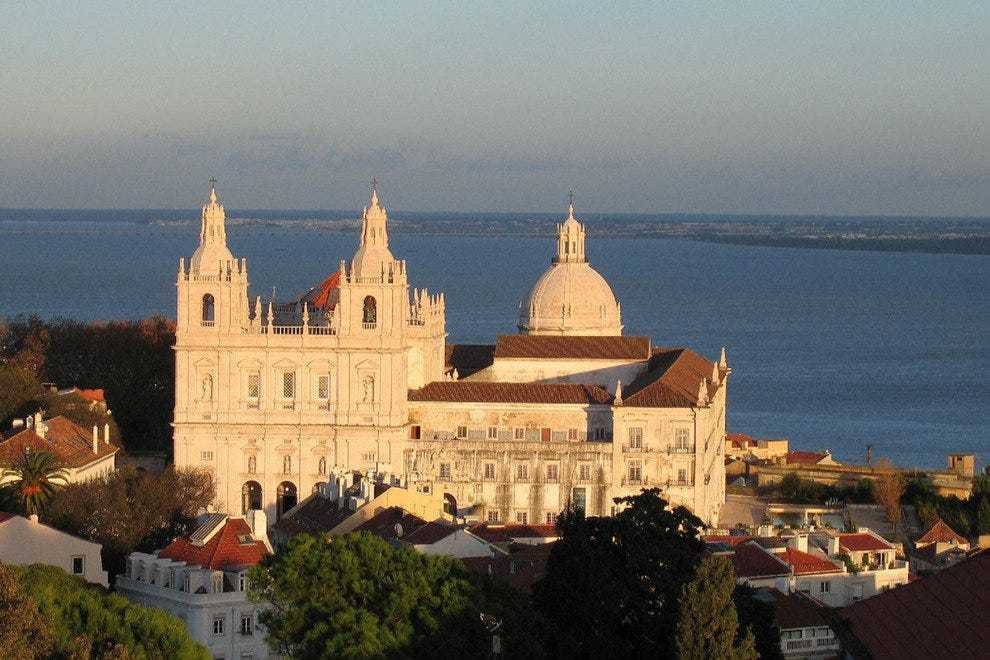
(92,395)
(752,561)
(577,348)
(480,392)
(941,616)
(223,550)
(506,533)
(863,542)
(797,610)
(805,563)
(383,523)
(431,533)
(672,380)
(941,533)
(68,441)
(727,539)
(805,457)
(468,358)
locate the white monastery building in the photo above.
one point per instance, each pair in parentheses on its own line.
(356,375)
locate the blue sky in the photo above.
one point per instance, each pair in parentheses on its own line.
(838,108)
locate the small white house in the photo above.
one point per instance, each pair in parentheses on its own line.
(202,579)
(25,541)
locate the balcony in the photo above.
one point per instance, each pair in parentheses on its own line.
(633,449)
(207,324)
(369,326)
(680,450)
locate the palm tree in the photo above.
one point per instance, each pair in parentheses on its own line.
(34,478)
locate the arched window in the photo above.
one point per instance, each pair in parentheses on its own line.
(449,505)
(208,309)
(286,498)
(250,496)
(370,313)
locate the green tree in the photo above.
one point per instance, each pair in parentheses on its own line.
(707,623)
(612,583)
(983,516)
(34,479)
(86,621)
(18,390)
(357,596)
(24,632)
(129,509)
(757,615)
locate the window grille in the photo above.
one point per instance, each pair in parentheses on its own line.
(289,385)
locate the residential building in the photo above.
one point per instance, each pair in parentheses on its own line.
(804,624)
(83,455)
(25,541)
(356,375)
(938,548)
(202,579)
(943,615)
(740,445)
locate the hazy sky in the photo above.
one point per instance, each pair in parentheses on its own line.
(844,108)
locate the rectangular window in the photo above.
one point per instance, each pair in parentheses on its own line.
(521,517)
(635,437)
(552,518)
(826,587)
(461,432)
(323,387)
(186,582)
(254,386)
(682,440)
(445,471)
(545,434)
(584,472)
(579,499)
(78,565)
(682,476)
(492,516)
(552,473)
(242,581)
(415,432)
(599,433)
(520,433)
(206,456)
(289,385)
(493,433)
(218,625)
(572,434)
(247,624)
(490,471)
(522,472)
(635,472)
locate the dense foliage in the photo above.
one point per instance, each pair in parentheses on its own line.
(612,583)
(969,517)
(794,489)
(49,613)
(130,509)
(757,616)
(357,596)
(707,623)
(131,361)
(31,481)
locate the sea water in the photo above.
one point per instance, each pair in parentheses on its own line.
(832,349)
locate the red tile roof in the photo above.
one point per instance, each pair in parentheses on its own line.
(322,298)
(752,561)
(941,533)
(468,358)
(383,523)
(522,567)
(805,563)
(727,539)
(863,542)
(740,440)
(577,348)
(672,380)
(431,533)
(92,395)
(506,533)
(481,392)
(223,550)
(69,442)
(797,610)
(805,457)
(940,616)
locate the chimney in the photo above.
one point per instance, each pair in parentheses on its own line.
(798,542)
(17,424)
(33,517)
(96,440)
(258,522)
(106,433)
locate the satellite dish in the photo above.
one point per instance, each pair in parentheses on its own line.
(398,530)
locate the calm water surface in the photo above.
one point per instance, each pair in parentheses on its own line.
(831,349)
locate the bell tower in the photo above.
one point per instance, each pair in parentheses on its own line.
(212,291)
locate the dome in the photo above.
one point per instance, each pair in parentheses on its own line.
(571,298)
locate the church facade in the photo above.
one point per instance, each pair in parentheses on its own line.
(356,376)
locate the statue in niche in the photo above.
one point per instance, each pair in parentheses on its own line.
(252,464)
(207,391)
(368,385)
